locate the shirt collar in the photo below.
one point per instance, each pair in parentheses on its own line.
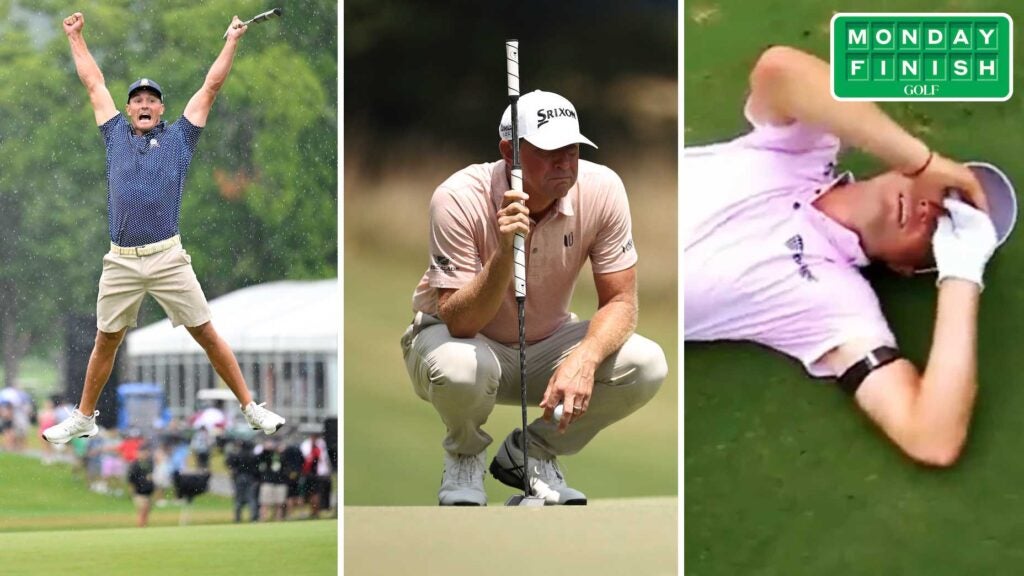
(499,181)
(564,204)
(845,241)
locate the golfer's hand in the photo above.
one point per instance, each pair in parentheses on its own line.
(943,173)
(513,217)
(963,242)
(73,24)
(236,30)
(571,385)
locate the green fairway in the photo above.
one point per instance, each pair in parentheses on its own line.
(782,474)
(38,497)
(393,453)
(51,522)
(293,548)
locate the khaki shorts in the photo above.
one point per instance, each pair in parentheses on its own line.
(142,500)
(273,494)
(166,275)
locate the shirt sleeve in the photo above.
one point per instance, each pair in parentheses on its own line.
(189,133)
(792,137)
(454,257)
(111,127)
(613,248)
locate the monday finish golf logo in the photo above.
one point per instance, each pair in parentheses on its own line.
(922,56)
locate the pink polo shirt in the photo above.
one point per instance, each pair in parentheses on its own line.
(591,221)
(761,263)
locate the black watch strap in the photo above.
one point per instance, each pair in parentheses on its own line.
(873,360)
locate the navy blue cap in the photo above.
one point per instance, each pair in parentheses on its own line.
(145,84)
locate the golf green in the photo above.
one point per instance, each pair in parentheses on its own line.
(628,536)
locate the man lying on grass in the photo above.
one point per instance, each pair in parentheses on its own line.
(774,241)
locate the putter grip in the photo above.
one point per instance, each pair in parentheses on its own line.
(512,66)
(519,244)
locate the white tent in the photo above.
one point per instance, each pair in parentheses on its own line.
(284,334)
(274,317)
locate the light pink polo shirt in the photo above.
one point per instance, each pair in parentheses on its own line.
(761,263)
(591,221)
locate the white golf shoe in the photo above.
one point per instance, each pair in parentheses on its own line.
(77,425)
(259,418)
(546,479)
(462,483)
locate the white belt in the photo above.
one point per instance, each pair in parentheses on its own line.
(146,249)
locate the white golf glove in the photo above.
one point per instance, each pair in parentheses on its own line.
(963,242)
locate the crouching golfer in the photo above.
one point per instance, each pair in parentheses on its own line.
(774,239)
(147,161)
(461,350)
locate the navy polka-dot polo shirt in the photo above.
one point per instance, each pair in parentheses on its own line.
(145,178)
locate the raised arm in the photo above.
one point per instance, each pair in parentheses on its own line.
(787,85)
(88,71)
(198,107)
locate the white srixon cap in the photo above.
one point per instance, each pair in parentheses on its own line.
(546,120)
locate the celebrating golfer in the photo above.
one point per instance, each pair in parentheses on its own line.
(774,239)
(147,161)
(461,350)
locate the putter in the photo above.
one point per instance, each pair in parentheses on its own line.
(519,247)
(259,18)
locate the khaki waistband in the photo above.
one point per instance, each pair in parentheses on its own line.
(146,249)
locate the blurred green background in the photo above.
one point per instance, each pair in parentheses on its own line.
(782,473)
(424,89)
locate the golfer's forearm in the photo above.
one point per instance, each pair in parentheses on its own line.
(221,67)
(949,383)
(88,71)
(198,108)
(473,306)
(796,86)
(609,329)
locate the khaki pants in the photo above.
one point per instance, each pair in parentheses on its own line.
(465,378)
(166,275)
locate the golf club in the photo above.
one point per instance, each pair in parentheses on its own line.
(519,247)
(260,18)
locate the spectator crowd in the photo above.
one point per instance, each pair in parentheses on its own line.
(272,478)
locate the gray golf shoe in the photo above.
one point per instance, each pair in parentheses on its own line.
(546,479)
(462,483)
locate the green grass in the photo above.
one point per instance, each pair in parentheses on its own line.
(782,474)
(38,497)
(609,536)
(293,548)
(393,453)
(51,522)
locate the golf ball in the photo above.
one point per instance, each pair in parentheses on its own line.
(558,413)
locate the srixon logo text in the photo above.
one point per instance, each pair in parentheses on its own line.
(543,116)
